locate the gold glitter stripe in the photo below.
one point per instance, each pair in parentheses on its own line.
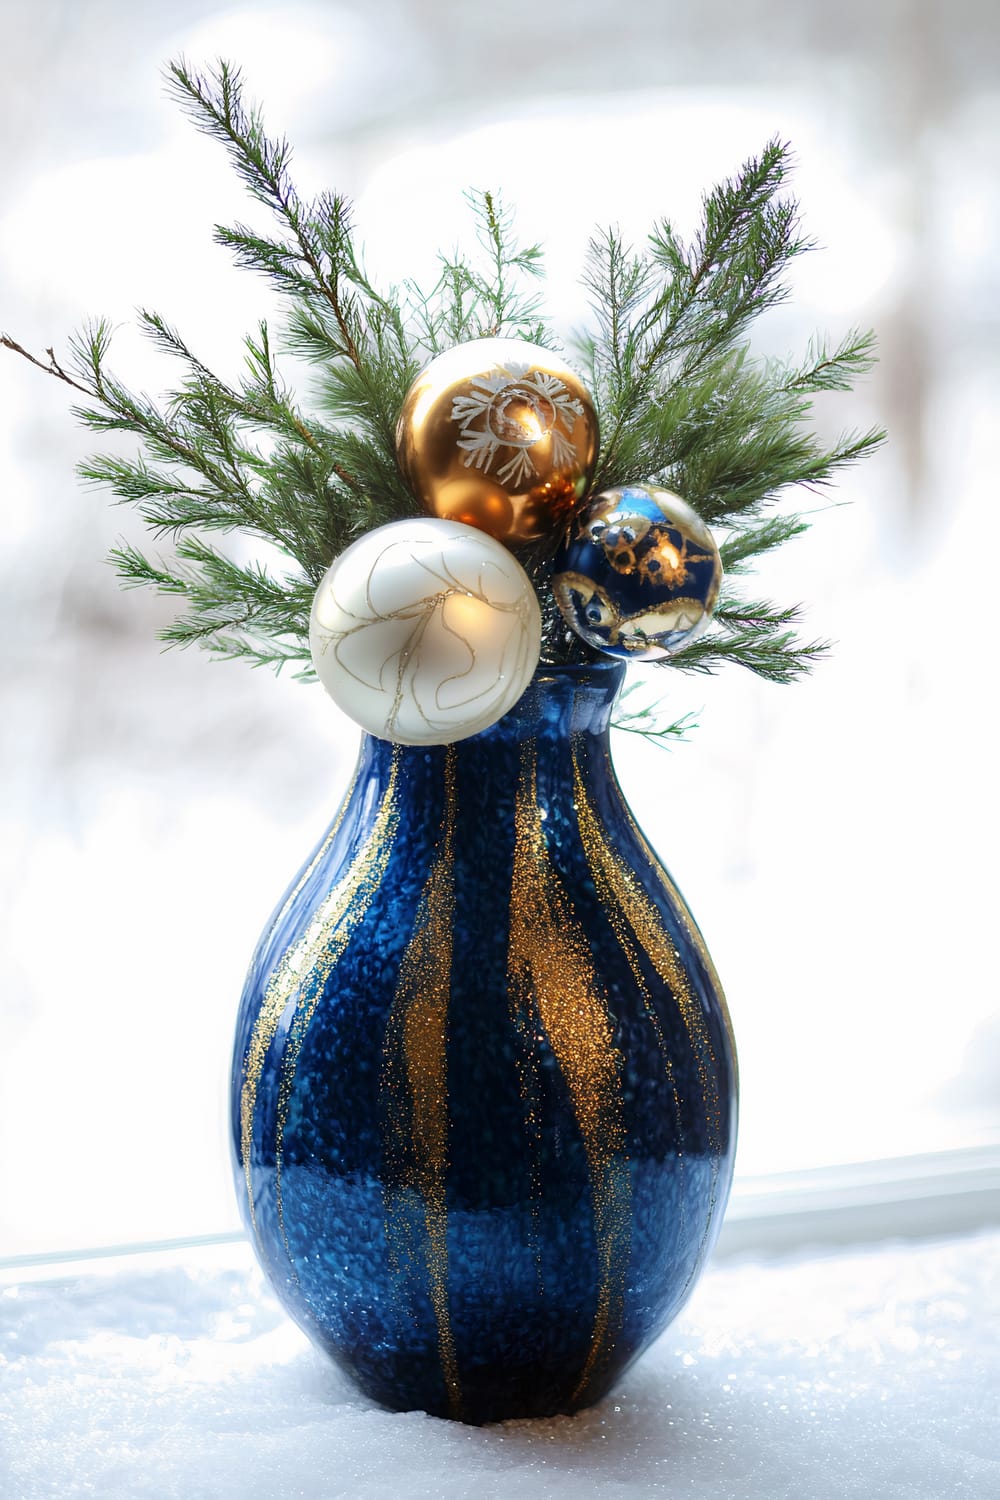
(687,921)
(289,900)
(524,1020)
(551,969)
(646,922)
(296,965)
(323,945)
(695,937)
(627,902)
(272,1005)
(602,862)
(415,1084)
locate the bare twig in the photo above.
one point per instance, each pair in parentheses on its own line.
(52,368)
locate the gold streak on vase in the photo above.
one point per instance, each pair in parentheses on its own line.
(308,965)
(628,903)
(334,829)
(551,971)
(415,1092)
(334,925)
(524,1020)
(603,862)
(275,998)
(687,921)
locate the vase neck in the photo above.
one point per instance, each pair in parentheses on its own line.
(559,703)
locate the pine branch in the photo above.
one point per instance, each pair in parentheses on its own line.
(683,403)
(680,308)
(777,657)
(281,264)
(753,541)
(135,570)
(833,370)
(317,264)
(742,615)
(51,368)
(232,610)
(680,397)
(473,300)
(319,249)
(647,720)
(511,312)
(263,652)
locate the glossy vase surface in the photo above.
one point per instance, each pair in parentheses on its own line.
(484,1091)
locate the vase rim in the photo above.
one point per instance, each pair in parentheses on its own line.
(602,677)
(603,667)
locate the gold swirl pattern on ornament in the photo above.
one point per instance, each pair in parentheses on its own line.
(637,910)
(551,974)
(415,1094)
(421,612)
(632,632)
(321,949)
(603,863)
(312,957)
(634,543)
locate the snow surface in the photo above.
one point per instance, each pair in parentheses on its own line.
(872,1373)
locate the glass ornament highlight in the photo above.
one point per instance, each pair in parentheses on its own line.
(499,434)
(639,573)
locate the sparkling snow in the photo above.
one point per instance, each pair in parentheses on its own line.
(872,1373)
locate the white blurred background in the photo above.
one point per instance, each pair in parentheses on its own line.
(835,840)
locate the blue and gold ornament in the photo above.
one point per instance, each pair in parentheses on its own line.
(639,573)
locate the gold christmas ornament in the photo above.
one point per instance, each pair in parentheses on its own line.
(501,435)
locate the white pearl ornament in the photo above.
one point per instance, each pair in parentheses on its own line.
(425,631)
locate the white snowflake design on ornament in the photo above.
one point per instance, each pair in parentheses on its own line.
(513,408)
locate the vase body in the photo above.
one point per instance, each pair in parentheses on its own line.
(483,1090)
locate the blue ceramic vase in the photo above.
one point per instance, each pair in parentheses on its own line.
(484,1091)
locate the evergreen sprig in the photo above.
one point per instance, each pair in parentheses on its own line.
(680,398)
(635,714)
